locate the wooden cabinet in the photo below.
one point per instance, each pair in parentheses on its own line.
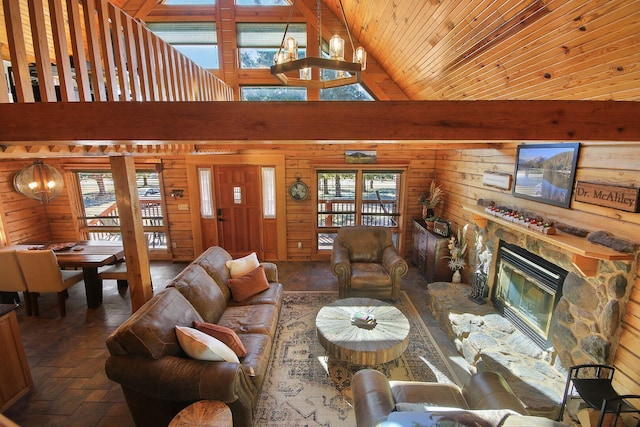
(429,252)
(15,376)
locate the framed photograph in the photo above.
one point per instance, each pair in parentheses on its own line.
(545,173)
(360,156)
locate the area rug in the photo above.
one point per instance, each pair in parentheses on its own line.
(303,388)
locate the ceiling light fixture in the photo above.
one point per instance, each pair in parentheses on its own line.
(292,71)
(39,181)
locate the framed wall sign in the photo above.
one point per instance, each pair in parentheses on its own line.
(499,180)
(609,195)
(546,172)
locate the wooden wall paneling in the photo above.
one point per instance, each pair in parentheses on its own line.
(19,61)
(61,47)
(41,50)
(93,42)
(4,94)
(76,37)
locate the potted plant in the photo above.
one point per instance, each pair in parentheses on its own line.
(429,200)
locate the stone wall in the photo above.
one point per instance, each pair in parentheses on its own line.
(586,322)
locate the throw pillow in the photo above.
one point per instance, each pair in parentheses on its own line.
(241,266)
(201,346)
(249,285)
(223,334)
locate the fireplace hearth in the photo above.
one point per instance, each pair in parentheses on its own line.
(526,290)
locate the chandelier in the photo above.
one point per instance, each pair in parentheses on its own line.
(292,71)
(39,181)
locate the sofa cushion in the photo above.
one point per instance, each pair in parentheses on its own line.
(429,415)
(149,332)
(251,319)
(257,359)
(214,261)
(240,266)
(273,295)
(201,346)
(439,394)
(201,291)
(223,334)
(249,284)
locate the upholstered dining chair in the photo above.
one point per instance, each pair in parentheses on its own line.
(42,274)
(367,263)
(12,279)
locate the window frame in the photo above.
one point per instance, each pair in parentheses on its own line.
(81,217)
(360,170)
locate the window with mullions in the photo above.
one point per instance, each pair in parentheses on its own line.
(273,93)
(100,217)
(258,43)
(356,197)
(198,41)
(189,2)
(262,3)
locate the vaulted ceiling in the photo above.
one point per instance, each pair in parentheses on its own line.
(494,49)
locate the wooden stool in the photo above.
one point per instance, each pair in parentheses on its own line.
(204,413)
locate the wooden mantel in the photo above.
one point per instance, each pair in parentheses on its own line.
(585,255)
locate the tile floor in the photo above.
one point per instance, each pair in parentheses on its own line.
(67,355)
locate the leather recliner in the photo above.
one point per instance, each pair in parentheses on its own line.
(367,263)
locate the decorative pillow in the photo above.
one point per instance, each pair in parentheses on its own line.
(249,285)
(241,266)
(201,346)
(223,334)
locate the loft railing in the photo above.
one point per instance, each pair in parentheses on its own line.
(90,50)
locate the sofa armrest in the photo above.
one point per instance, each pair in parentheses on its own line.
(271,271)
(340,262)
(180,379)
(489,390)
(395,264)
(372,397)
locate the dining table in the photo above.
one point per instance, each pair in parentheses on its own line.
(89,255)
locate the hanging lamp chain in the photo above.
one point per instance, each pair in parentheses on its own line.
(344,18)
(286,29)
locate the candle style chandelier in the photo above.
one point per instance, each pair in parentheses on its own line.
(292,71)
(39,181)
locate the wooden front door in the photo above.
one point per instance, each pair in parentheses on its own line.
(239,219)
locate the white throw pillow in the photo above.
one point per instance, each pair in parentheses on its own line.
(241,266)
(201,346)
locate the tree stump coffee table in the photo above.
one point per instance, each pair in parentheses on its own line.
(362,346)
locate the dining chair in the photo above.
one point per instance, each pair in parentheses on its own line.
(12,279)
(42,274)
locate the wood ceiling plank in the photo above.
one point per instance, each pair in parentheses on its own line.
(539,58)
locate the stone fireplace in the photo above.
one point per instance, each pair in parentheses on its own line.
(585,325)
(526,291)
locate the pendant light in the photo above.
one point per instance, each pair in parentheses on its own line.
(39,181)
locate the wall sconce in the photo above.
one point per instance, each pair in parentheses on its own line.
(177,193)
(39,181)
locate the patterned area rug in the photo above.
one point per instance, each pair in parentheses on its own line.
(303,388)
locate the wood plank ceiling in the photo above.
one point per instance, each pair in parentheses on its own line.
(496,49)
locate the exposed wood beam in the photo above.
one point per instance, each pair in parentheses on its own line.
(164,122)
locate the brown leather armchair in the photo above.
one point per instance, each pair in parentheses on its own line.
(366,263)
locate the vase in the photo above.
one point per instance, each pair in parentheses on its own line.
(457,277)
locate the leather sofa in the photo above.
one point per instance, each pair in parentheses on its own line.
(486,394)
(367,263)
(157,377)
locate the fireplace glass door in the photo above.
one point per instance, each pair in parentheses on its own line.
(526,292)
